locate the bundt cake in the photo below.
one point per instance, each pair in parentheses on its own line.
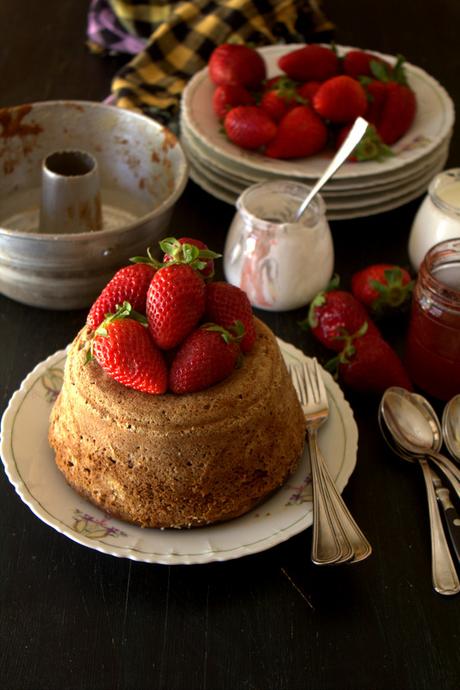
(178,460)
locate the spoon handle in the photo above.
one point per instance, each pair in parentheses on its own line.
(449,469)
(452,518)
(354,137)
(445,578)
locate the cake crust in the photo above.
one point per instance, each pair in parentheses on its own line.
(178,460)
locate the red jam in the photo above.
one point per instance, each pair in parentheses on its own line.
(433,343)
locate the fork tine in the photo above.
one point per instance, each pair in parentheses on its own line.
(321,387)
(298,382)
(310,379)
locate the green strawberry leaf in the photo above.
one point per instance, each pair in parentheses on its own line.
(371,147)
(399,73)
(149,260)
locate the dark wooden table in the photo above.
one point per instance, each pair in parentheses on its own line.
(76,619)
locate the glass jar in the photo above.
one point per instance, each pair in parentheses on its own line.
(280,264)
(433,342)
(438,217)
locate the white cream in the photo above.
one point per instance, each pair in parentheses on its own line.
(438,217)
(279,264)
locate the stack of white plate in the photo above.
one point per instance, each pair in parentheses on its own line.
(357,189)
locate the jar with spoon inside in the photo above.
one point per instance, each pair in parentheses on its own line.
(281,264)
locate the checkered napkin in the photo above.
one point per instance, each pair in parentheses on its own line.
(171,41)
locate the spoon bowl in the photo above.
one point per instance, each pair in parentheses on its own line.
(451,426)
(408,422)
(398,408)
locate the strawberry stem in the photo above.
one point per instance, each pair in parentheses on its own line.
(124,311)
(311,320)
(234,334)
(149,260)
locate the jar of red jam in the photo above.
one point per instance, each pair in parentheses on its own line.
(433,342)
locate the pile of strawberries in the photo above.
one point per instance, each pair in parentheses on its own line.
(342,321)
(159,326)
(313,103)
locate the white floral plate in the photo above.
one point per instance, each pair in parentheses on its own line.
(30,467)
(434,120)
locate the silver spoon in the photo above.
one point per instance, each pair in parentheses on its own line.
(416,428)
(442,493)
(353,138)
(451,426)
(392,414)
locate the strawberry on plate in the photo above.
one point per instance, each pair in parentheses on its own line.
(376,93)
(340,99)
(300,133)
(226,305)
(227,96)
(249,126)
(207,356)
(307,90)
(382,287)
(334,315)
(129,284)
(399,104)
(398,112)
(124,349)
(358,63)
(371,147)
(311,62)
(279,97)
(236,64)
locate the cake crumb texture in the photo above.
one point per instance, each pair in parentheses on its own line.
(178,461)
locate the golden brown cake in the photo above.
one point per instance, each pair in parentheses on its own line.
(178,460)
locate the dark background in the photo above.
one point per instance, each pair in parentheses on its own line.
(72,618)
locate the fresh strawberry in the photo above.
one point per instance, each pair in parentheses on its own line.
(340,99)
(376,92)
(176,295)
(249,126)
(335,315)
(124,349)
(225,305)
(177,248)
(236,64)
(399,106)
(175,304)
(398,112)
(308,90)
(371,147)
(227,96)
(311,62)
(300,133)
(368,364)
(382,287)
(129,284)
(281,96)
(358,63)
(207,356)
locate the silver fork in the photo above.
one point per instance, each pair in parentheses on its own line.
(336,536)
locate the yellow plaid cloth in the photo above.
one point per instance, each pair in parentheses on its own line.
(182,36)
